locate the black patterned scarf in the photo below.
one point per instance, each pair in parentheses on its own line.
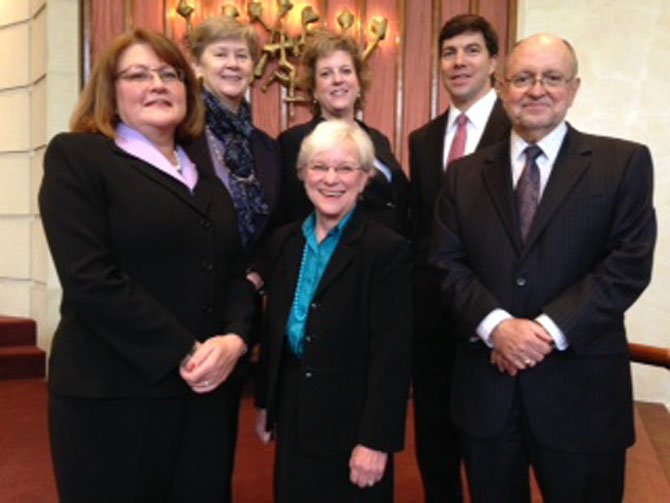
(234,132)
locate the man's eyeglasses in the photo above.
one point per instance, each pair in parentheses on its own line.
(143,74)
(344,170)
(549,81)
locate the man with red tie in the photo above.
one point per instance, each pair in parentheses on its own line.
(475,118)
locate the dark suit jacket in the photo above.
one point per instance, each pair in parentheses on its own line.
(146,268)
(384,201)
(587,258)
(356,361)
(268,169)
(426,153)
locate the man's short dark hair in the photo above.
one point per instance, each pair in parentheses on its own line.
(470,23)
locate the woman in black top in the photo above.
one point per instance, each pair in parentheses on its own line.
(156,308)
(335,78)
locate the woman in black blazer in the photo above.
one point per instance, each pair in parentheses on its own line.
(156,308)
(335,361)
(245,158)
(335,78)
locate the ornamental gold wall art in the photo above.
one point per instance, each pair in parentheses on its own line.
(284,48)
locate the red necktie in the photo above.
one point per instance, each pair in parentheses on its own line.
(457,149)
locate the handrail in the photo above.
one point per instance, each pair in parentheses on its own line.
(650,355)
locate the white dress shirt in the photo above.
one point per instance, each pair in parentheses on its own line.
(478,115)
(550,146)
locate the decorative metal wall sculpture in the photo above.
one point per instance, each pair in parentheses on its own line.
(284,48)
(186,11)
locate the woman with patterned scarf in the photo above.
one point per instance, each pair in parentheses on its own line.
(245,159)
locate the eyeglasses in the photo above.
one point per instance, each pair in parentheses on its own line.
(322,169)
(140,74)
(549,81)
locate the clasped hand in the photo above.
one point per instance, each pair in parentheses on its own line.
(519,344)
(366,466)
(212,362)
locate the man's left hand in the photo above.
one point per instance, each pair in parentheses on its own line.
(522,343)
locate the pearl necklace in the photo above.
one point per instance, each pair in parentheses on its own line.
(178,165)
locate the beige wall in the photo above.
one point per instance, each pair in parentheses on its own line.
(623,50)
(38,88)
(21,83)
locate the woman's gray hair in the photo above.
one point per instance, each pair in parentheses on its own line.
(218,28)
(329,135)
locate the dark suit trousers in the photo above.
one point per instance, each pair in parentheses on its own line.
(436,438)
(302,477)
(498,468)
(175,449)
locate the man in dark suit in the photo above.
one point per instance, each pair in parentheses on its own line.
(468,55)
(545,239)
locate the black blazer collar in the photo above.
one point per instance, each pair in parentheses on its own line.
(497,177)
(573,160)
(174,186)
(342,257)
(345,251)
(435,145)
(497,126)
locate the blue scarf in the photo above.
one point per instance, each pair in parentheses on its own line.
(234,132)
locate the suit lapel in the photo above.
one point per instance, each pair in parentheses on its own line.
(381,153)
(174,186)
(571,163)
(497,126)
(344,253)
(198,151)
(435,150)
(288,268)
(262,167)
(498,181)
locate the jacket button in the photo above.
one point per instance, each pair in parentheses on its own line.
(390,204)
(314,305)
(309,373)
(309,338)
(207,266)
(521,281)
(207,309)
(206,223)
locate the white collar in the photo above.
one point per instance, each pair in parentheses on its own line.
(550,144)
(478,114)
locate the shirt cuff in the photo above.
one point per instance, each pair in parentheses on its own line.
(556,333)
(489,323)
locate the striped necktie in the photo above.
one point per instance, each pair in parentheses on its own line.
(528,190)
